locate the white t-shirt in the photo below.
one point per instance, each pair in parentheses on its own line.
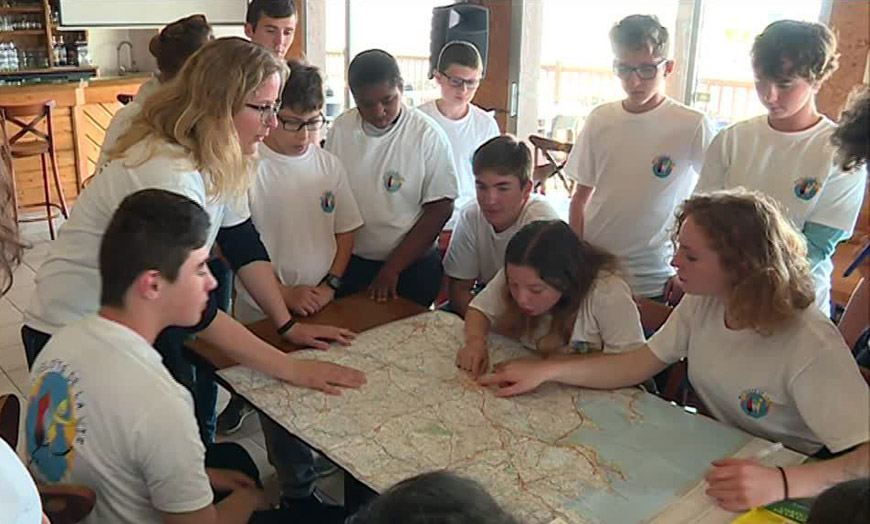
(796,169)
(68,282)
(299,204)
(104,412)
(392,175)
(607,320)
(120,122)
(465,135)
(476,251)
(799,386)
(642,166)
(19,499)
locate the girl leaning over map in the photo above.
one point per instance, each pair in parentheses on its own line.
(555,294)
(760,357)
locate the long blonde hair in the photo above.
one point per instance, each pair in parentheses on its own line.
(11,246)
(763,254)
(195,110)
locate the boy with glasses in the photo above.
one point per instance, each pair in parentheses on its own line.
(303,207)
(467,126)
(636,160)
(301,203)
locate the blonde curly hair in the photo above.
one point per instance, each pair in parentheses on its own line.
(764,256)
(195,110)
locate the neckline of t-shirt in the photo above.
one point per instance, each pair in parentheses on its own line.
(267,151)
(815,128)
(403,114)
(459,122)
(646,114)
(116,327)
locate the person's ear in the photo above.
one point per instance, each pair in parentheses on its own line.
(669,67)
(249,30)
(149,284)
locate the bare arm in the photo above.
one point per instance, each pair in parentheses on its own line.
(598,371)
(740,484)
(474,356)
(459,294)
(237,508)
(260,281)
(577,213)
(344,248)
(420,238)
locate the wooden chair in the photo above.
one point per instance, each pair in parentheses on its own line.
(28,118)
(546,164)
(62,503)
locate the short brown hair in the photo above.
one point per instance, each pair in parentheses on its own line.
(636,32)
(788,48)
(764,255)
(505,155)
(303,91)
(852,136)
(173,45)
(460,53)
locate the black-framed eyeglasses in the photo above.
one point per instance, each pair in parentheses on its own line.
(267,111)
(644,72)
(459,83)
(295,126)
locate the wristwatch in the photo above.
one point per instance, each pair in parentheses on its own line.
(333,281)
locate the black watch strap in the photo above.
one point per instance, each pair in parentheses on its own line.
(333,281)
(287,326)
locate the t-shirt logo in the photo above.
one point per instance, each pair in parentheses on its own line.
(662,166)
(807,188)
(393,181)
(53,427)
(755,403)
(327,202)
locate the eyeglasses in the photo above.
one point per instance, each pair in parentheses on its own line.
(459,83)
(267,111)
(295,126)
(644,72)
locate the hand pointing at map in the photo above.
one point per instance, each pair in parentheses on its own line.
(324,376)
(516,377)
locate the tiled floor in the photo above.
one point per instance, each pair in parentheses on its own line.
(14,376)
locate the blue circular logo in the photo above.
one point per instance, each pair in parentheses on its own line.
(756,404)
(806,188)
(662,166)
(327,202)
(393,181)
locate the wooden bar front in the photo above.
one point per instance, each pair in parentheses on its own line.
(81,115)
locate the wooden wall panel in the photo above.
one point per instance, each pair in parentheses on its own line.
(850,20)
(494,91)
(92,125)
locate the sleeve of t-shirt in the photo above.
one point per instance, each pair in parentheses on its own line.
(671,342)
(236,211)
(616,314)
(493,130)
(835,410)
(703,138)
(461,260)
(490,301)
(439,181)
(714,172)
(580,165)
(171,458)
(840,200)
(347,215)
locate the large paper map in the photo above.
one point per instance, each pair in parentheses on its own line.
(562,452)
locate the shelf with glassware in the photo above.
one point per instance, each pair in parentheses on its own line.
(34,49)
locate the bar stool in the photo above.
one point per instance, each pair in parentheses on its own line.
(41,145)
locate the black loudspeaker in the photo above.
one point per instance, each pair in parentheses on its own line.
(464,22)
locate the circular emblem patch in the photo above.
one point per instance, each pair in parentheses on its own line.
(807,188)
(327,202)
(662,166)
(755,403)
(393,181)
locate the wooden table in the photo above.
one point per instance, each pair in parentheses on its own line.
(356,312)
